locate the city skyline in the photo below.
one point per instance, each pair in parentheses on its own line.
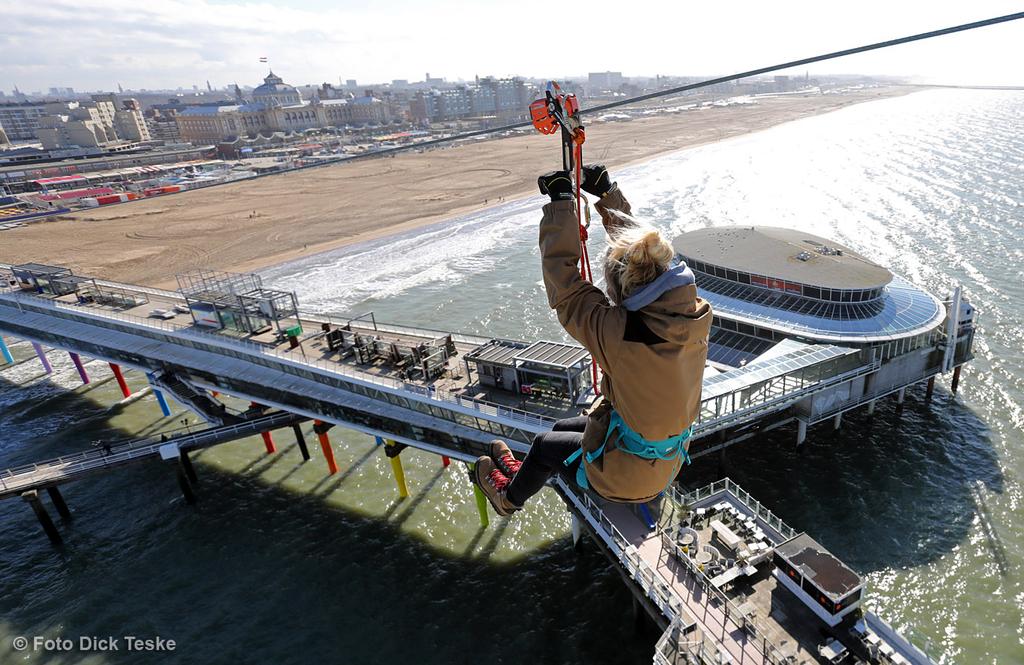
(166,46)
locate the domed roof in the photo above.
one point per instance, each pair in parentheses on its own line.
(274,85)
(783,254)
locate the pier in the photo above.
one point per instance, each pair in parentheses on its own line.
(450,394)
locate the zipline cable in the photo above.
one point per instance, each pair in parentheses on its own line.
(806,61)
(715,81)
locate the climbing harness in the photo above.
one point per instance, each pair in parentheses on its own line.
(559,111)
(631,442)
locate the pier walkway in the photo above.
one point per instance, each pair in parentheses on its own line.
(53,472)
(741,616)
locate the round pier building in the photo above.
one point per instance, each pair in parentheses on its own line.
(769,284)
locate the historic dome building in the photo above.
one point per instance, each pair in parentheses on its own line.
(275,92)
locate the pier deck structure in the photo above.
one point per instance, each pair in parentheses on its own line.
(408,386)
(408,383)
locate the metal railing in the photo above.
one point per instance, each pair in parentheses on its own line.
(722,410)
(668,602)
(657,589)
(741,495)
(253,350)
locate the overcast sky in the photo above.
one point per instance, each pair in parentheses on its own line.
(96,44)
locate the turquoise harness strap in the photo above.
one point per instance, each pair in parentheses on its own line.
(631,442)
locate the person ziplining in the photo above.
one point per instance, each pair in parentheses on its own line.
(648,334)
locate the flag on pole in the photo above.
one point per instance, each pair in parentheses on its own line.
(263,58)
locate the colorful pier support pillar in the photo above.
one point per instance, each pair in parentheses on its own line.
(32,498)
(8,358)
(481,500)
(394,452)
(929,389)
(160,399)
(300,439)
(956,378)
(321,428)
(445,461)
(42,357)
(268,442)
(77,360)
(121,383)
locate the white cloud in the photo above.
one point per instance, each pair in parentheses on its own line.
(92,44)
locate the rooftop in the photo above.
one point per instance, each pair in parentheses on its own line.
(497,352)
(554,354)
(817,564)
(784,254)
(41,269)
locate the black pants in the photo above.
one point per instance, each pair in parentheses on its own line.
(546,458)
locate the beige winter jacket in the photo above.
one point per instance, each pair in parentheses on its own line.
(652,359)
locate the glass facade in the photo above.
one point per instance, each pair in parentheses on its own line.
(775,284)
(902,310)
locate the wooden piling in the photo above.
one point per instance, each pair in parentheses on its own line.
(58,502)
(32,498)
(185,484)
(300,439)
(186,464)
(956,379)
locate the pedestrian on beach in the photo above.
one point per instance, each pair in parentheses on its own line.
(649,334)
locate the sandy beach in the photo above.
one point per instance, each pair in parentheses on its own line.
(249,225)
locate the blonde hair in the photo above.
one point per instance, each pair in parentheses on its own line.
(637,255)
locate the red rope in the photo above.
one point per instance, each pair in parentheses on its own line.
(586,272)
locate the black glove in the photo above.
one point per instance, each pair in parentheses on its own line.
(557,185)
(596,180)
